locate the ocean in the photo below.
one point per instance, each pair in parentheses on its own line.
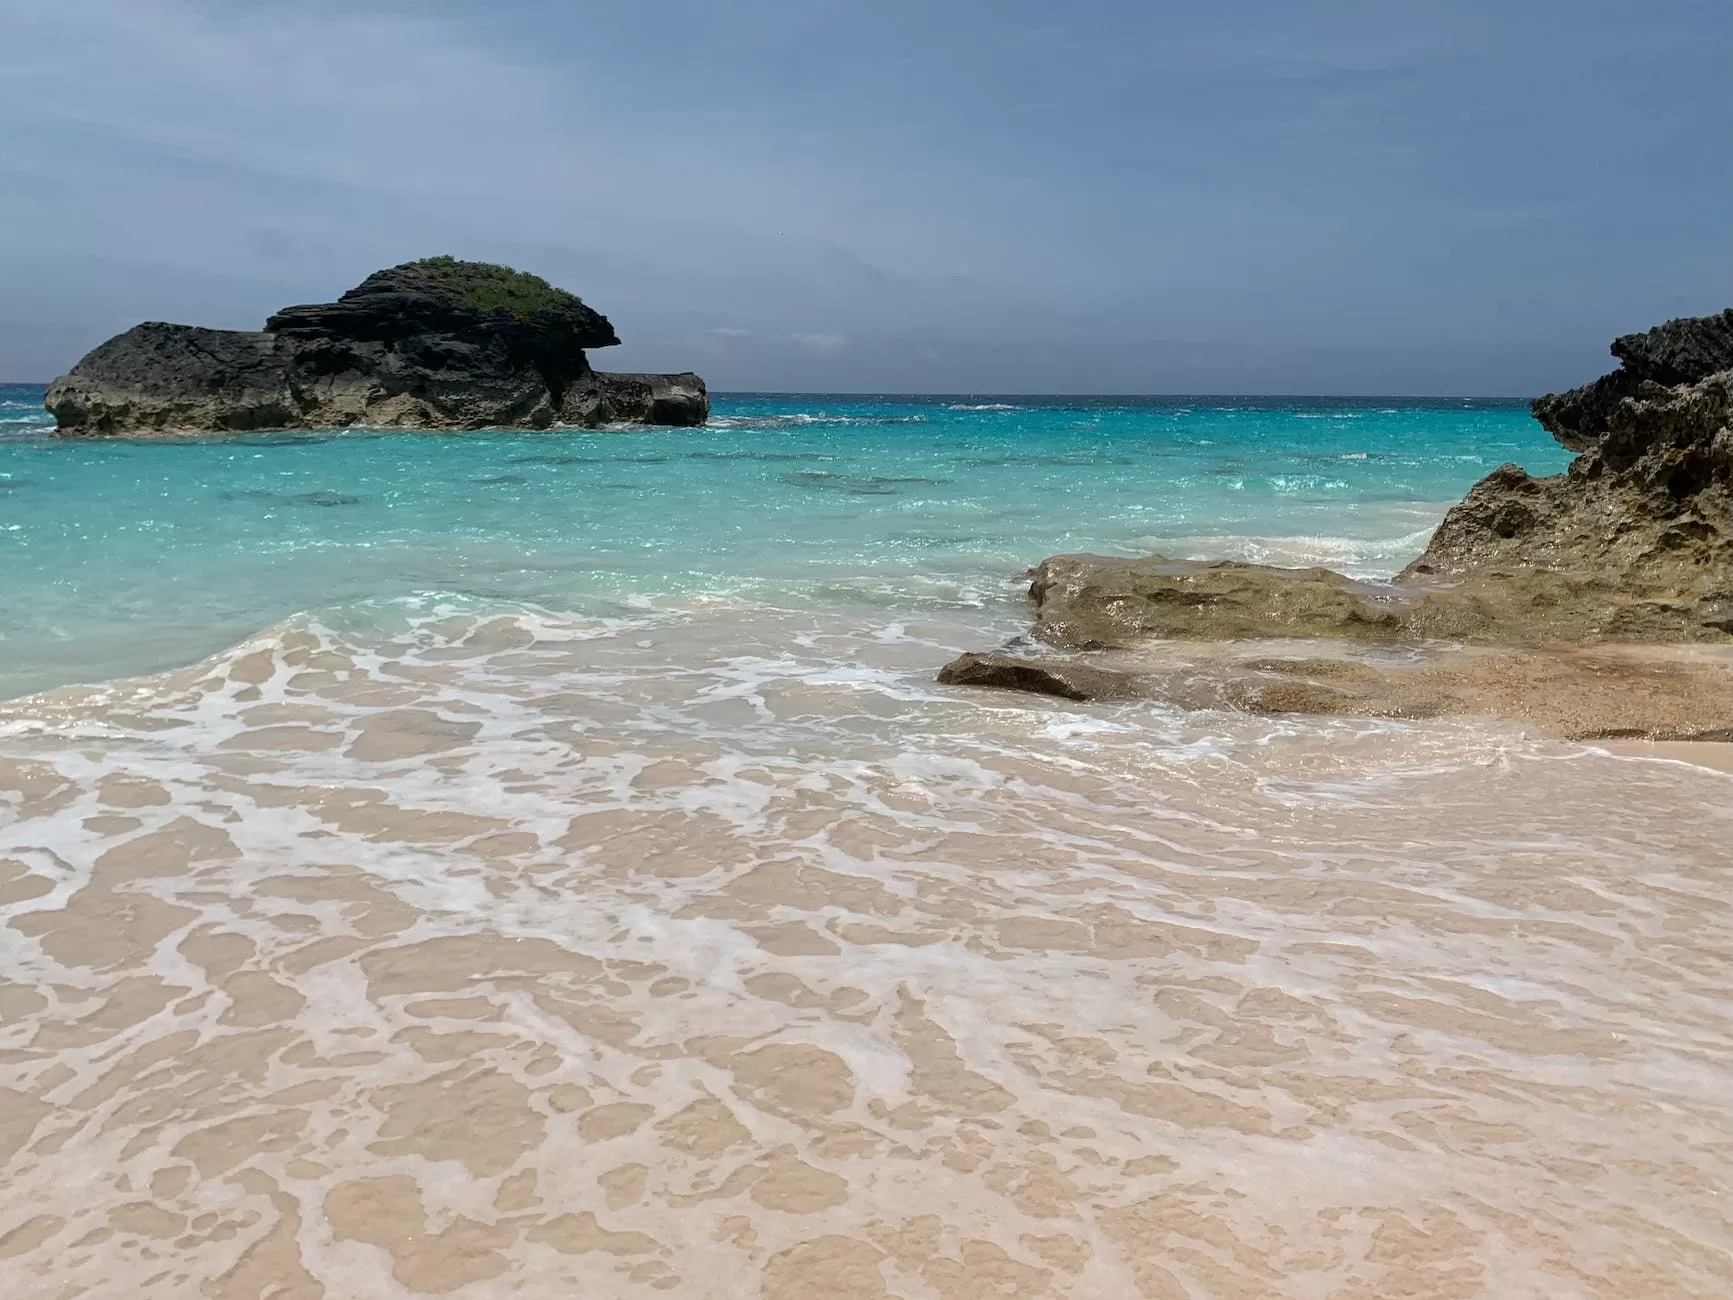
(532,864)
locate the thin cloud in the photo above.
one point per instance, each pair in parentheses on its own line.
(826,345)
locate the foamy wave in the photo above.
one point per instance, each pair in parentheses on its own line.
(720,951)
(805,418)
(984,406)
(1304,483)
(1359,557)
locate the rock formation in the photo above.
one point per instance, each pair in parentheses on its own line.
(435,344)
(1680,352)
(1632,544)
(1639,529)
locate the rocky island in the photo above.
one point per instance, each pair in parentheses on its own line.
(1583,602)
(434,344)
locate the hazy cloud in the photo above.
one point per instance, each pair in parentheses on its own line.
(1135,194)
(826,345)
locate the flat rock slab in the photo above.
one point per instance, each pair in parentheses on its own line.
(1092,602)
(1098,602)
(1663,693)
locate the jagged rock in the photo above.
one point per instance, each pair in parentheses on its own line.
(642,399)
(158,377)
(1069,681)
(436,344)
(1632,544)
(1636,536)
(1684,351)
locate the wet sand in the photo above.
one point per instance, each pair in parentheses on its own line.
(726,956)
(1715,757)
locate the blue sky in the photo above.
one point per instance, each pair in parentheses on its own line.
(1335,196)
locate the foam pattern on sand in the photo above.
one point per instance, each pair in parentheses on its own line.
(716,953)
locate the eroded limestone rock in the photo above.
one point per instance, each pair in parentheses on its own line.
(1574,579)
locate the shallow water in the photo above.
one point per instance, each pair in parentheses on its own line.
(130,557)
(684,938)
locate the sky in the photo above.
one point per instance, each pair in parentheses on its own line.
(994,196)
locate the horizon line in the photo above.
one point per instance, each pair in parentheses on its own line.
(1035,396)
(1175,396)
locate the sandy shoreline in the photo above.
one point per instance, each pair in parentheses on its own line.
(1714,756)
(509,957)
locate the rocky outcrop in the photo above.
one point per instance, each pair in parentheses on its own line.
(1637,533)
(436,344)
(640,399)
(1683,351)
(1632,544)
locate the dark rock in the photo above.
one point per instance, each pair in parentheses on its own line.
(440,296)
(323,499)
(1684,351)
(1577,419)
(1066,680)
(157,377)
(858,485)
(679,400)
(436,344)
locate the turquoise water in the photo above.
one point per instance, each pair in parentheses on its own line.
(126,557)
(547,865)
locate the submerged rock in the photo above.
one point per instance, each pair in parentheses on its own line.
(1632,544)
(435,344)
(1069,681)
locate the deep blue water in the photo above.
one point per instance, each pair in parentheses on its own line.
(122,557)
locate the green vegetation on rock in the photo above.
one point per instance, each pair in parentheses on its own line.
(485,286)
